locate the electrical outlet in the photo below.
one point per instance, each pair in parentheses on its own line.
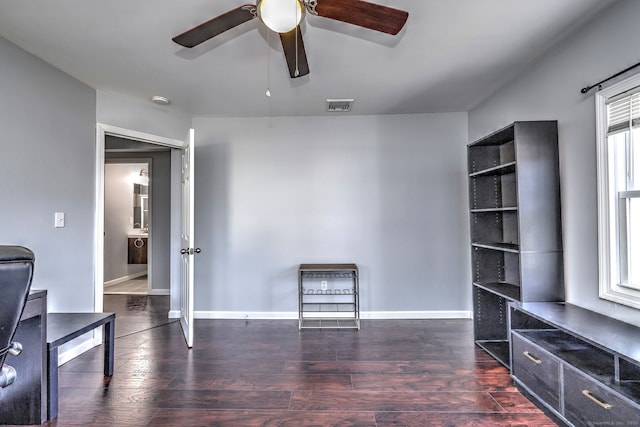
(323,285)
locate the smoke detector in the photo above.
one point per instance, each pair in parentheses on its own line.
(339,105)
(160,100)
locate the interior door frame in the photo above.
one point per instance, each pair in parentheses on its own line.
(103,130)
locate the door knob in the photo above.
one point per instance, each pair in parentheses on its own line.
(190,251)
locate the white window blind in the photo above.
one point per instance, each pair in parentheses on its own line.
(623,112)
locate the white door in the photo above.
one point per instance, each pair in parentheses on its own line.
(187,250)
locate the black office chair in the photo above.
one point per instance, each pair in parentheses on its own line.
(16,272)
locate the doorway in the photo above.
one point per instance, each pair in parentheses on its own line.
(115,145)
(128,236)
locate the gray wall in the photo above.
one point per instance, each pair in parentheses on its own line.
(550,89)
(160,211)
(385,192)
(48,121)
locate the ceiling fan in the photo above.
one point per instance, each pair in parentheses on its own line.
(284,16)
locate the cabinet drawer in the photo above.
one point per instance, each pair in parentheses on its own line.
(587,402)
(537,369)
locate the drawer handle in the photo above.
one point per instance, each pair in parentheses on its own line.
(532,358)
(599,402)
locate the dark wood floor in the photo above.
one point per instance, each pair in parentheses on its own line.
(267,373)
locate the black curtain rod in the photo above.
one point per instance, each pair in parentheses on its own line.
(599,84)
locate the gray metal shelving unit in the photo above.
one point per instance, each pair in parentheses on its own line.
(328,296)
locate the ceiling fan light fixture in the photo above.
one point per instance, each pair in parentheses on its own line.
(280,16)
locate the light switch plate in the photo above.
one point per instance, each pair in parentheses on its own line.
(59,219)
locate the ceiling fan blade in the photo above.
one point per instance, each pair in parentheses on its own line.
(295,62)
(363,14)
(215,26)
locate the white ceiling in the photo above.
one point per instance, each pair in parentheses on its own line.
(450,56)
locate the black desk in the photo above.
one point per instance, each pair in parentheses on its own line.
(62,328)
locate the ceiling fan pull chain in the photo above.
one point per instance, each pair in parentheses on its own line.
(268,92)
(297,71)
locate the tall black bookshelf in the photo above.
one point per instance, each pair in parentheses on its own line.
(516,229)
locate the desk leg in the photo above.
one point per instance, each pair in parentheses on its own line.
(109,332)
(52,383)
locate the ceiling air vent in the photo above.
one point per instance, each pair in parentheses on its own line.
(339,105)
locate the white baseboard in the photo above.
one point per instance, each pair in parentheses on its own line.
(159,292)
(124,279)
(76,350)
(433,314)
(174,314)
(293,315)
(263,315)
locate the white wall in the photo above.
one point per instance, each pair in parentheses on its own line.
(550,89)
(47,162)
(118,210)
(385,192)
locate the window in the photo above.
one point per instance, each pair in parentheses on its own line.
(618,151)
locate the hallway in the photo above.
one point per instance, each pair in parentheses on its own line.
(137,286)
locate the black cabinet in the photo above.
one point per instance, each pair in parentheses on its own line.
(24,401)
(582,366)
(516,238)
(137,250)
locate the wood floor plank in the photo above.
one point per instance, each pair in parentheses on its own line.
(100,416)
(397,401)
(266,353)
(482,367)
(263,382)
(403,382)
(262,419)
(177,399)
(186,367)
(514,402)
(368,367)
(97,379)
(439,419)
